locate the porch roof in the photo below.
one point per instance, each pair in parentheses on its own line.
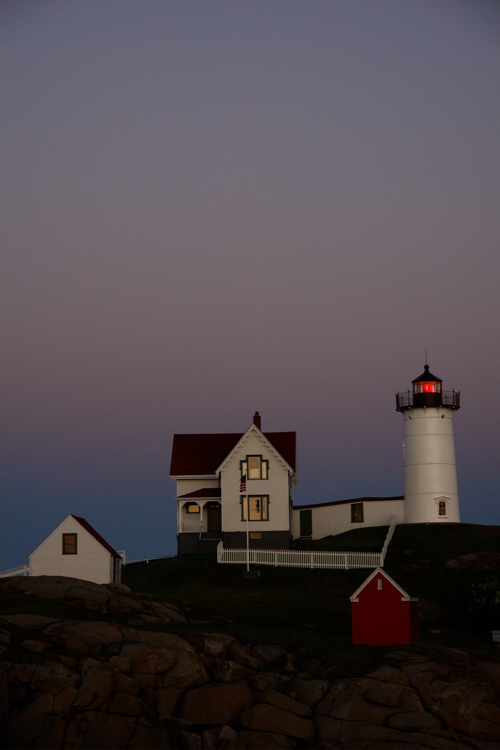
(205,492)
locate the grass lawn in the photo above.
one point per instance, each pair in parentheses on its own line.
(310,608)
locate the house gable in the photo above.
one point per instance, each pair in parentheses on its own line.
(287,440)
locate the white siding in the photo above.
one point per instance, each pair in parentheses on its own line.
(276,487)
(336,519)
(91,563)
(429,465)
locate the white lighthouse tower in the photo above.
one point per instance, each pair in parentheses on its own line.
(430,473)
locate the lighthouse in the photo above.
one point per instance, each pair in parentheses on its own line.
(430,473)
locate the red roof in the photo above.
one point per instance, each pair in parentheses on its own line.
(199,455)
(344,502)
(96,536)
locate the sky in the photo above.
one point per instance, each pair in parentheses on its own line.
(213,208)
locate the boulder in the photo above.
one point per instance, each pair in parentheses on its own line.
(283,701)
(264,717)
(216,704)
(309,692)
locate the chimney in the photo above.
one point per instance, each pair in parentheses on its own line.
(256,420)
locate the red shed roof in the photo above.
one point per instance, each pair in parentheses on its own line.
(96,536)
(201,455)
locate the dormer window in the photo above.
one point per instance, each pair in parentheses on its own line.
(255,467)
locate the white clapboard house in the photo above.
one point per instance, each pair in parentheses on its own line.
(229,485)
(76,550)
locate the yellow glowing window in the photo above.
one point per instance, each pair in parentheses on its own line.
(255,467)
(69,544)
(259,507)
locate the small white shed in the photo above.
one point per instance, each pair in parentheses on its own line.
(76,550)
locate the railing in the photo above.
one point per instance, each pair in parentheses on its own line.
(21,570)
(299,558)
(190,527)
(387,540)
(451,399)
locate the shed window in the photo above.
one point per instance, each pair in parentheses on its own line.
(357,513)
(69,544)
(379,584)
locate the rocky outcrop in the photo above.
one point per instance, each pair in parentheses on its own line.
(84,684)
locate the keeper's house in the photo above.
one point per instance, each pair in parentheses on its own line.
(231,484)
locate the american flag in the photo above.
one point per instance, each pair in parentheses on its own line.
(243,483)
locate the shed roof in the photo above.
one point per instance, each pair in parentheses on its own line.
(96,536)
(202,454)
(380,571)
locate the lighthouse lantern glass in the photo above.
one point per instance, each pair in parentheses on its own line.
(427,386)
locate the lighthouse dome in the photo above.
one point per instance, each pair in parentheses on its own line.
(427,377)
(427,389)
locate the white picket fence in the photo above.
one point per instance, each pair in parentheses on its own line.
(292,558)
(299,558)
(21,570)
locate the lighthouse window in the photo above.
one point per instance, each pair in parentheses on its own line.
(427,386)
(357,515)
(442,508)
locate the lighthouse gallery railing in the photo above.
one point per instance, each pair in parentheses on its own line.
(448,398)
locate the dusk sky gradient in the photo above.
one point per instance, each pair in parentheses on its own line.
(216,207)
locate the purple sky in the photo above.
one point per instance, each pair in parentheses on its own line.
(212,208)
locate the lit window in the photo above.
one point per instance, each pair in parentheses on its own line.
(427,386)
(192,508)
(259,507)
(357,513)
(255,467)
(69,544)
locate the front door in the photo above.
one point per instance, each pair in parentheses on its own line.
(306,522)
(214,517)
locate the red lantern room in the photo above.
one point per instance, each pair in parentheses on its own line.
(427,391)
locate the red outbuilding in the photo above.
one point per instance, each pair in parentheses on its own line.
(383,614)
